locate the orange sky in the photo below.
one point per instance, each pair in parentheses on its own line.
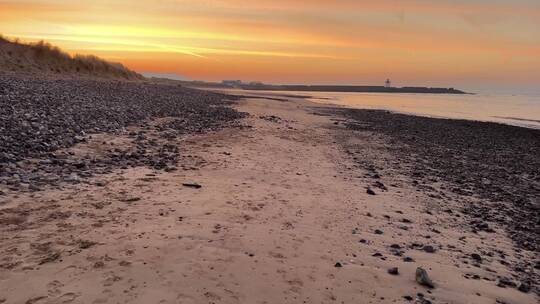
(470,44)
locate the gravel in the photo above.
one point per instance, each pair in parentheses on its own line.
(40,118)
(493,168)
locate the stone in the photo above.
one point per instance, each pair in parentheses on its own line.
(506,282)
(73,177)
(476,257)
(393,271)
(429,249)
(423,279)
(192,185)
(524,287)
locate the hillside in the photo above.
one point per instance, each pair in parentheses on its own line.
(42,57)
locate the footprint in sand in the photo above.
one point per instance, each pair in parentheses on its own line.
(54,287)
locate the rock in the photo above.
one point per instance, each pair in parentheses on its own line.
(429,249)
(192,185)
(476,257)
(408,298)
(85,244)
(393,271)
(370,191)
(506,282)
(99,264)
(408,259)
(50,258)
(423,279)
(380,185)
(40,121)
(131,199)
(377,231)
(73,178)
(524,287)
(338,265)
(101,183)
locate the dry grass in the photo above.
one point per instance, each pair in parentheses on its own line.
(47,58)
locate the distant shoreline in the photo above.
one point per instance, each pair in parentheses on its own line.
(352,89)
(314,88)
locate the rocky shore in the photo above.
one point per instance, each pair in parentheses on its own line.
(41,118)
(117,192)
(492,170)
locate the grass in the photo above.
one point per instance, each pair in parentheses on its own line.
(44,57)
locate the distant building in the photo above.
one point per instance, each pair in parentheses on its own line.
(387,83)
(232,82)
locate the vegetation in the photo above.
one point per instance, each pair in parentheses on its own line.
(44,57)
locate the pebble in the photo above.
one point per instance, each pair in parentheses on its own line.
(423,279)
(46,116)
(429,249)
(192,185)
(393,271)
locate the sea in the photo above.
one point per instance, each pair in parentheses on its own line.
(518,110)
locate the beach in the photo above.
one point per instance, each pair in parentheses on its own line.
(260,199)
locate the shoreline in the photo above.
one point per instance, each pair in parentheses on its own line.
(282,199)
(509,121)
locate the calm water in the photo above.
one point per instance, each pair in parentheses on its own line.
(520,110)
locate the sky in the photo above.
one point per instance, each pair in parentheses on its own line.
(477,45)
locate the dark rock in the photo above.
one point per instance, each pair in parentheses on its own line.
(41,116)
(53,256)
(429,249)
(524,287)
(131,199)
(476,257)
(483,159)
(338,265)
(378,231)
(393,271)
(370,191)
(84,244)
(506,282)
(192,185)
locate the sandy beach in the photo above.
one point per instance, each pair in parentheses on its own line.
(289,204)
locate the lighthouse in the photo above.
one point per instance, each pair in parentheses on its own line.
(387,83)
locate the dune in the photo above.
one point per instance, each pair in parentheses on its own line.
(44,58)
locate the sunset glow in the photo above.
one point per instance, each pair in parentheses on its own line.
(469,44)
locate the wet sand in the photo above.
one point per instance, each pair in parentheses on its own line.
(282,215)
